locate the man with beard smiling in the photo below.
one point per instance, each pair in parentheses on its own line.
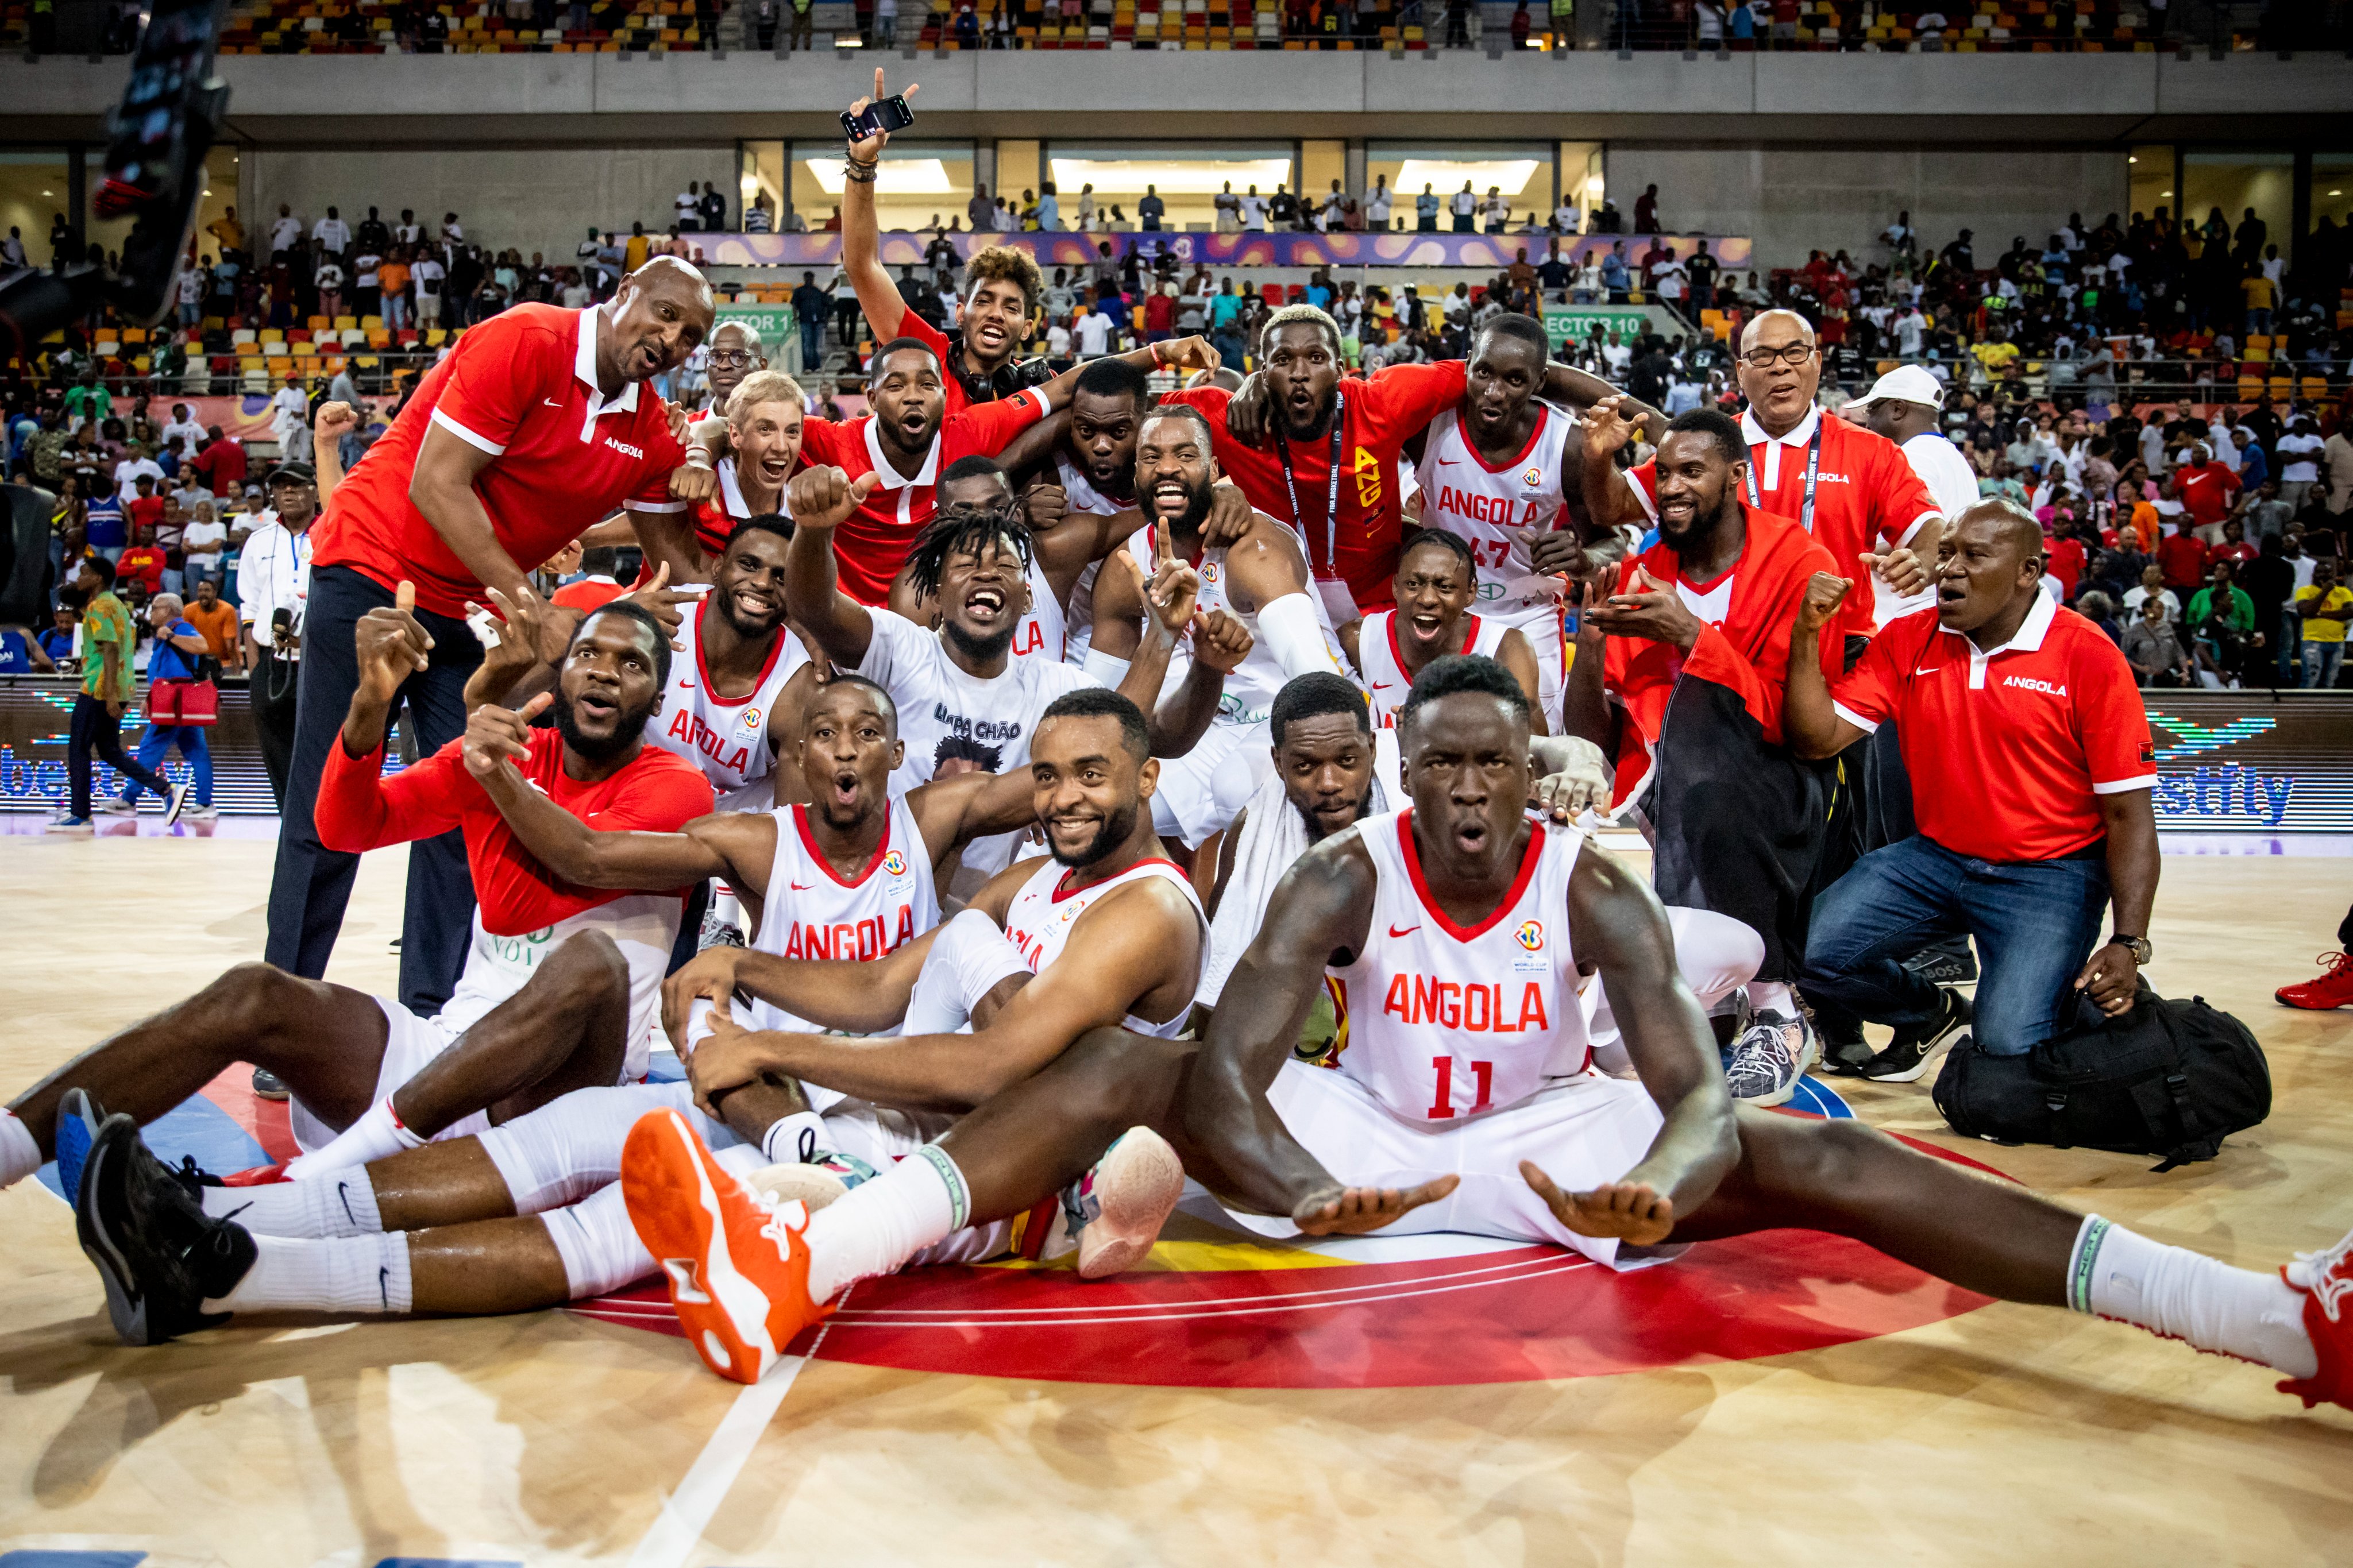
(1853,489)
(1259,579)
(561,983)
(1679,675)
(1321,457)
(532,430)
(910,440)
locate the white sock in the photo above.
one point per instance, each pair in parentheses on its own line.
(378,1134)
(796,1139)
(1772,996)
(339,1203)
(2187,1295)
(343,1274)
(20,1156)
(877,1225)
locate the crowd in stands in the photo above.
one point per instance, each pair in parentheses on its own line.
(613,27)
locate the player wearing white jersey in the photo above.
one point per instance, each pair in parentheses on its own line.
(1497,472)
(1435,584)
(720,710)
(1700,1169)
(1261,580)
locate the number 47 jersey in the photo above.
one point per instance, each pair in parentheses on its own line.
(1440,1022)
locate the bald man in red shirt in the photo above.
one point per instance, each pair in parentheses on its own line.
(535,427)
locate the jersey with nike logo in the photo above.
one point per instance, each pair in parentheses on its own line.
(1440,1021)
(811,910)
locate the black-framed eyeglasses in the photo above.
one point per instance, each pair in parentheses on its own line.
(1788,354)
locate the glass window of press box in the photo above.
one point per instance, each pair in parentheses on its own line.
(1522,175)
(919,185)
(1187,180)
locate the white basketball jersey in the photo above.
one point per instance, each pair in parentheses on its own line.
(1080,494)
(1386,680)
(1487,508)
(810,911)
(727,738)
(1439,1022)
(1250,689)
(1043,631)
(1038,923)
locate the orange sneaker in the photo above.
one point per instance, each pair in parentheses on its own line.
(2333,987)
(738,1270)
(2327,1280)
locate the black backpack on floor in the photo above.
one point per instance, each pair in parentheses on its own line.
(2167,1077)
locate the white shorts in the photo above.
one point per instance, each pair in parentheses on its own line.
(409,1043)
(1541,625)
(1206,788)
(1582,1130)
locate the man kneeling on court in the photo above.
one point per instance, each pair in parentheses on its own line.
(561,983)
(1453,933)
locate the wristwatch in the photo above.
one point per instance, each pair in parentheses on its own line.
(2142,951)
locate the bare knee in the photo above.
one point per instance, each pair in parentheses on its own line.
(1808,1159)
(1102,1078)
(588,968)
(255,1001)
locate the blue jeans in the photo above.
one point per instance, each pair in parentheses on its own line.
(160,739)
(2321,660)
(2035,922)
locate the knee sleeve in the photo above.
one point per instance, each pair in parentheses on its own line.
(1716,953)
(968,957)
(565,1151)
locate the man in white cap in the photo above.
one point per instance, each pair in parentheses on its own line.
(1908,406)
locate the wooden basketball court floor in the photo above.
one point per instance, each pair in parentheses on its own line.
(1875,1417)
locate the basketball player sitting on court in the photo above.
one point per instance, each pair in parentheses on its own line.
(561,982)
(1455,930)
(1679,675)
(1438,580)
(1260,579)
(524,1216)
(1500,471)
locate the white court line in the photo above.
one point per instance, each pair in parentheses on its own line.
(687,1511)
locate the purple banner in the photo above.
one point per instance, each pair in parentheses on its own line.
(1477,252)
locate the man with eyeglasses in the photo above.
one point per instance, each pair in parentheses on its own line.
(1854,492)
(734,352)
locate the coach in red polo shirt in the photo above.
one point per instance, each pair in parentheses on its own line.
(1854,492)
(2026,717)
(534,429)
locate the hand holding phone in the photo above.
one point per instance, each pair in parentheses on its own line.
(871,121)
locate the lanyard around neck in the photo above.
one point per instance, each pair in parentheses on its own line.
(1330,488)
(1813,469)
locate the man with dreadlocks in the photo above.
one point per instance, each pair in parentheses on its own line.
(964,700)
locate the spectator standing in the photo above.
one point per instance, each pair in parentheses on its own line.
(1424,211)
(215,619)
(108,686)
(392,281)
(2323,608)
(1465,208)
(333,233)
(428,277)
(273,593)
(1646,211)
(171,665)
(2154,650)
(2300,451)
(290,420)
(713,209)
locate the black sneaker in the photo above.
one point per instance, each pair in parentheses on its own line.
(1908,1056)
(1845,1057)
(268,1085)
(1947,963)
(159,1254)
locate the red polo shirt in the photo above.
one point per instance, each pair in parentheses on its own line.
(1379,416)
(2010,751)
(872,542)
(1865,491)
(522,386)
